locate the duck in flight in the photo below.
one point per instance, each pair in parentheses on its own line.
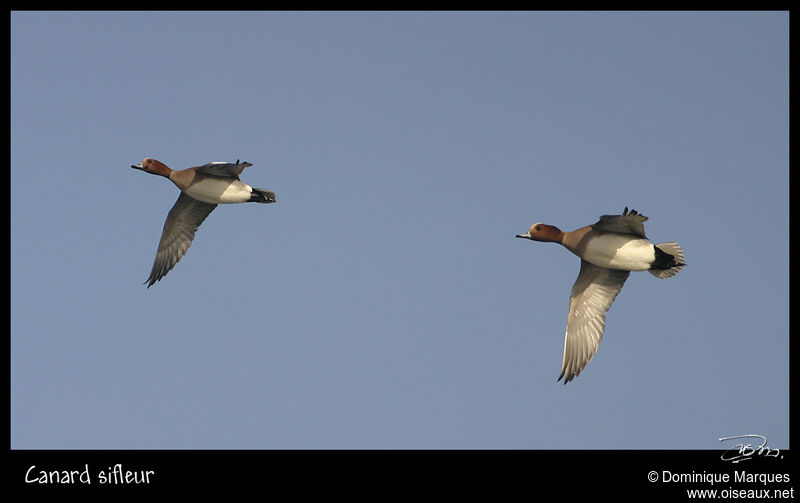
(609,250)
(202,189)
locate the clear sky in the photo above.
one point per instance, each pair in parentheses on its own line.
(383,301)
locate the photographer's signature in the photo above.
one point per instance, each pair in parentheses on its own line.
(743,451)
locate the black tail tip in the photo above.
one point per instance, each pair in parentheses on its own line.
(262,196)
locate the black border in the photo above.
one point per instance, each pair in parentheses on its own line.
(375,473)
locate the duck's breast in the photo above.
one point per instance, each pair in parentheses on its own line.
(620,251)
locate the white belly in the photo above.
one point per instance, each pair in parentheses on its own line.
(216,191)
(616,251)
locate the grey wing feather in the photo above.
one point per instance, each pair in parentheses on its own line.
(591,297)
(628,223)
(223,168)
(182,222)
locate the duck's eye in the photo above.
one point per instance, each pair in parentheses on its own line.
(538,228)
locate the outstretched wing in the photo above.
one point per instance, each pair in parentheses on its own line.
(223,168)
(628,223)
(182,222)
(592,295)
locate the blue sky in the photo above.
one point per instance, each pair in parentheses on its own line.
(383,301)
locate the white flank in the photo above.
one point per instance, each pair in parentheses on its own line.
(216,191)
(617,251)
